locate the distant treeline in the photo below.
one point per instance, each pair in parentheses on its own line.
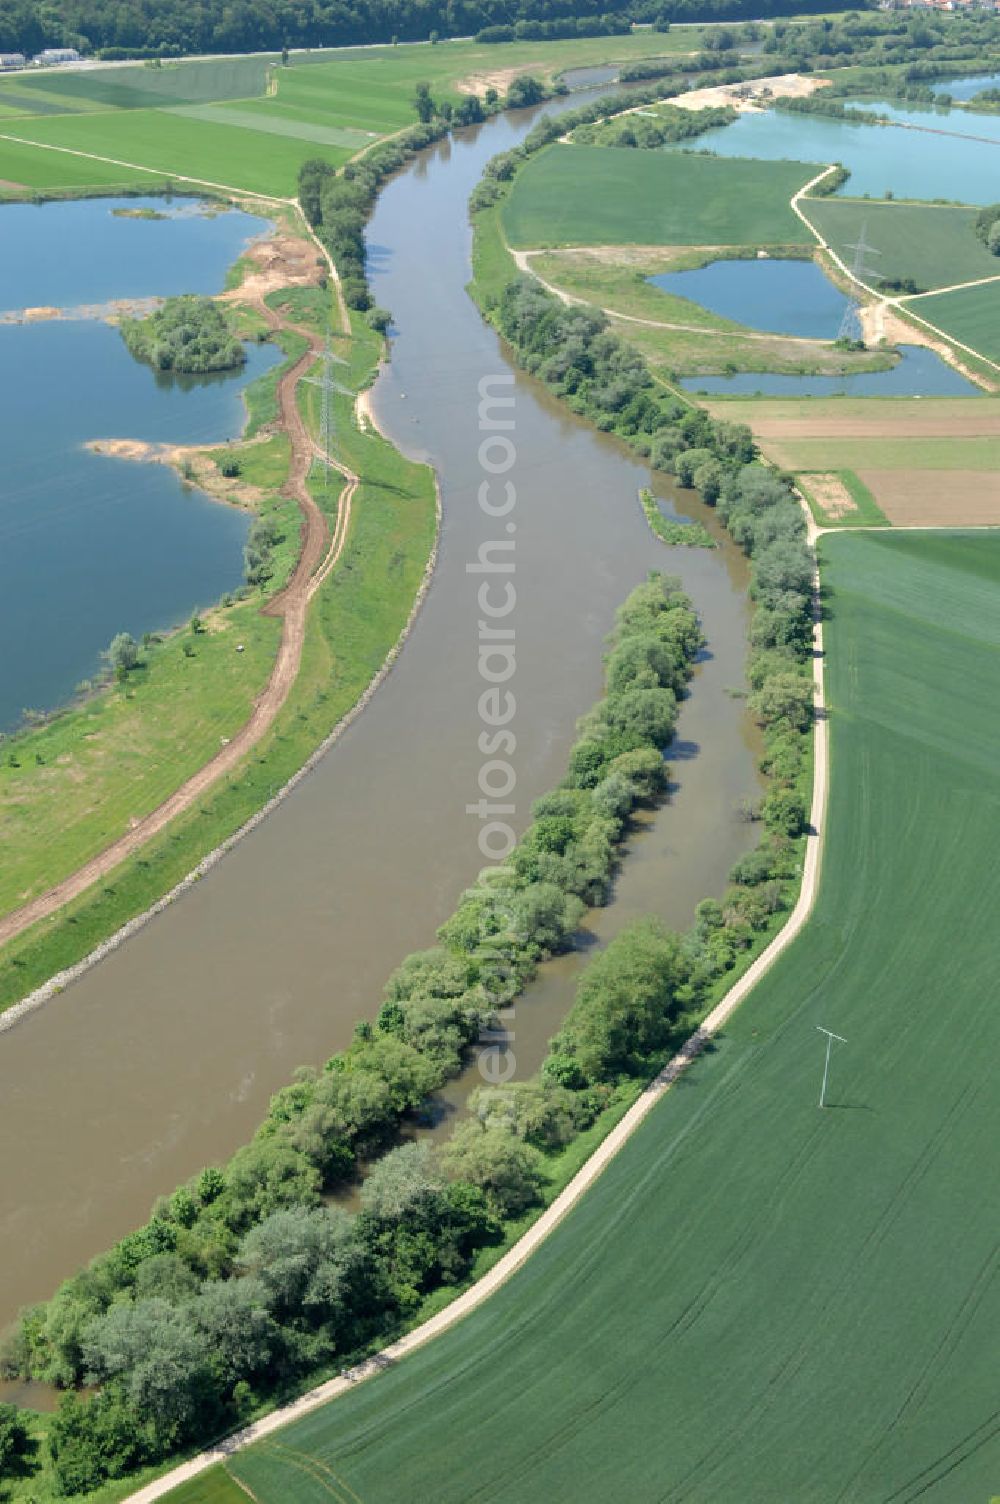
(172,28)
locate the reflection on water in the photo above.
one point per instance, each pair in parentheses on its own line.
(113,254)
(965,88)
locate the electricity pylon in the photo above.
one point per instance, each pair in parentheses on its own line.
(850,324)
(328,385)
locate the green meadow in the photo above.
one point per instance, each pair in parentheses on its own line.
(759,1299)
(971,316)
(934,244)
(601,195)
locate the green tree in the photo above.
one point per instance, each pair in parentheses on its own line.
(785,697)
(509,1170)
(123,654)
(15,1441)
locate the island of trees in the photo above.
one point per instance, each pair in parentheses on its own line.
(187,334)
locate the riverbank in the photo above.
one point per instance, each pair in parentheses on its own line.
(43,954)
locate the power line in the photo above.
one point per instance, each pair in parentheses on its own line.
(850,324)
(328,385)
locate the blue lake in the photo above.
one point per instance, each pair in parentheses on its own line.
(91,545)
(919,373)
(65,254)
(783,296)
(879,158)
(925,117)
(964,88)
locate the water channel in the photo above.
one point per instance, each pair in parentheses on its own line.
(919,372)
(162,1058)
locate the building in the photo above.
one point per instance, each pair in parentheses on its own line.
(10,60)
(57,55)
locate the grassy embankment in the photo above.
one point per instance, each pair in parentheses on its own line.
(354,621)
(617,280)
(748,1263)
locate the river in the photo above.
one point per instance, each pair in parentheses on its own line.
(162,1058)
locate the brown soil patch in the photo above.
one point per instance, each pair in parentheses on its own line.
(882,324)
(500,78)
(936,498)
(753,95)
(830,493)
(13,187)
(279,261)
(910,424)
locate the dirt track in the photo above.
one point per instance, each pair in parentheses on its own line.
(291,604)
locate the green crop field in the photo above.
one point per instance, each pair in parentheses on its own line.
(53,170)
(229,155)
(972,316)
(215,121)
(599,195)
(934,244)
(140,87)
(759,1300)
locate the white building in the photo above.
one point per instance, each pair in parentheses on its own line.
(57,55)
(9,60)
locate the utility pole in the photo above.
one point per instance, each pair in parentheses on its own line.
(830,1037)
(850,324)
(328,386)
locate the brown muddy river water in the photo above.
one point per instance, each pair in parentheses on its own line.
(162,1058)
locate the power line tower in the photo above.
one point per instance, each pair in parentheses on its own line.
(850,324)
(328,384)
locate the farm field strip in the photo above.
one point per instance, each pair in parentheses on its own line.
(229,156)
(933,244)
(924,461)
(766,1321)
(271,125)
(968,315)
(597,195)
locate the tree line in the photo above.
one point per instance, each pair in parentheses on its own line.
(244,1281)
(173,28)
(671,124)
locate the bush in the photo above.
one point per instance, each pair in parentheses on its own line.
(123,654)
(188,333)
